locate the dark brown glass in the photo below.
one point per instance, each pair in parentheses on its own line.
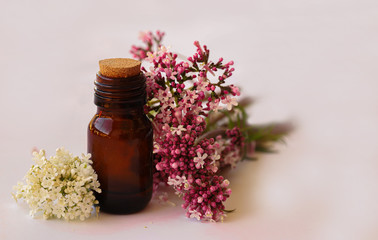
(120,140)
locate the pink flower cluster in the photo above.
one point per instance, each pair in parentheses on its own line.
(230,147)
(180,97)
(150,40)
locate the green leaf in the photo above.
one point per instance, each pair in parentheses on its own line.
(250,158)
(229,211)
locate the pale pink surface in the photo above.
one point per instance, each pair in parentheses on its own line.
(311,61)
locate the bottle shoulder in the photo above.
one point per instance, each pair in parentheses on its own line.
(106,125)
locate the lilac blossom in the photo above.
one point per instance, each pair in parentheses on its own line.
(181,95)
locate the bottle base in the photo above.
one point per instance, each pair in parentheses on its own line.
(120,203)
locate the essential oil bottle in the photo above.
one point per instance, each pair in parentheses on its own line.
(120,137)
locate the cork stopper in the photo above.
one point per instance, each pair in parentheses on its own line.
(119,67)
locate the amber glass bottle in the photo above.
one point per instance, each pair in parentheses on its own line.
(120,137)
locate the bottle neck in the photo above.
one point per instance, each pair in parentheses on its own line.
(120,93)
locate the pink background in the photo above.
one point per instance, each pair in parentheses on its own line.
(312,62)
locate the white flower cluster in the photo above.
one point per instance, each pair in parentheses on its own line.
(61,186)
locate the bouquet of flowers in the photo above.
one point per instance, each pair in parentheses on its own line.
(200,127)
